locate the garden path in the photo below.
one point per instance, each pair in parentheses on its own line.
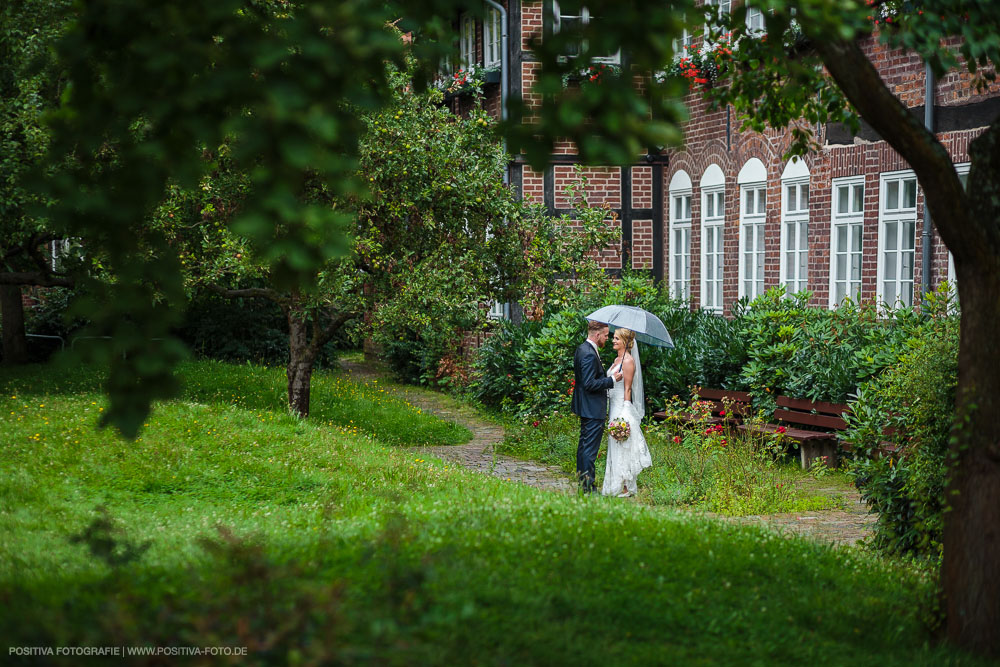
(478,454)
(845,525)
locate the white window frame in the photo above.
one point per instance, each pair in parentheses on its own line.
(854,220)
(467,40)
(753,219)
(492,34)
(717,223)
(794,215)
(962,169)
(584,17)
(498,310)
(680,254)
(755,21)
(897,216)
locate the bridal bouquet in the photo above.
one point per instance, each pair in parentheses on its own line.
(619,429)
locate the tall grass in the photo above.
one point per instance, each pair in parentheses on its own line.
(232,523)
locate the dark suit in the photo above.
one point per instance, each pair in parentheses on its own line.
(590,402)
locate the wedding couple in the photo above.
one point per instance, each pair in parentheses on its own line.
(622,386)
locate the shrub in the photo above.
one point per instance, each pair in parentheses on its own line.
(910,407)
(496,367)
(546,364)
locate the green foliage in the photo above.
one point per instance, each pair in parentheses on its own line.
(546,364)
(496,368)
(909,411)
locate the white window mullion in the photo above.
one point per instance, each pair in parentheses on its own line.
(897,238)
(752,219)
(847,226)
(712,256)
(795,235)
(492,34)
(467,40)
(680,244)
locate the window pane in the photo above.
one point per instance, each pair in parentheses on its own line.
(748,202)
(842,199)
(841,238)
(841,267)
(687,207)
(803,196)
(840,291)
(906,294)
(856,238)
(891,195)
(791,203)
(891,238)
(719,210)
(710,206)
(855,268)
(890,266)
(909,235)
(910,193)
(859,199)
(803,270)
(907,265)
(761,199)
(804,236)
(889,292)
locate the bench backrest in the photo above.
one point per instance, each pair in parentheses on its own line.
(739,401)
(811,413)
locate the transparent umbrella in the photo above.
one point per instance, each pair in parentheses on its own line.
(647,327)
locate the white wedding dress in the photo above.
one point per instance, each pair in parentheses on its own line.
(625,459)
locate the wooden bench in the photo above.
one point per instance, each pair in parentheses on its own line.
(728,407)
(825,421)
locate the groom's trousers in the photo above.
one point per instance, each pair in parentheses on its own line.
(591,431)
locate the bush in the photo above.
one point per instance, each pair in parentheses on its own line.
(547,364)
(910,407)
(496,368)
(253,330)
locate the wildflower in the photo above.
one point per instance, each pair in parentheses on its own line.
(535,424)
(780,429)
(722,413)
(677,439)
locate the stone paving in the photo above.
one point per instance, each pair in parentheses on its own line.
(843,526)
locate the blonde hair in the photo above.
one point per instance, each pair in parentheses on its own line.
(628,337)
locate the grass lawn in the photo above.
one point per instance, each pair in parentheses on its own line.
(232,523)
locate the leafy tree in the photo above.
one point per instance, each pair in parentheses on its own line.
(29,86)
(145,83)
(811,66)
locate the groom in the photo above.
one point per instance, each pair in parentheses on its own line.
(590,400)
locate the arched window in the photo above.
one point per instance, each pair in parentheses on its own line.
(752,180)
(795,226)
(713,219)
(680,235)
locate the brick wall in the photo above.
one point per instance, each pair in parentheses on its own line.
(707,143)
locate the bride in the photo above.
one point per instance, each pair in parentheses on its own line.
(626,459)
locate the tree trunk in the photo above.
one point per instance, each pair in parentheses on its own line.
(969,224)
(970,574)
(15,343)
(300,361)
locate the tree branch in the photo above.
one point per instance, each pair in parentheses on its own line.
(943,192)
(34,278)
(252,293)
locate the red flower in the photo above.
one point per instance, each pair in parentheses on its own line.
(780,429)
(722,413)
(535,424)
(677,439)
(723,442)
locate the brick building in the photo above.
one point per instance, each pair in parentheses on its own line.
(725,216)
